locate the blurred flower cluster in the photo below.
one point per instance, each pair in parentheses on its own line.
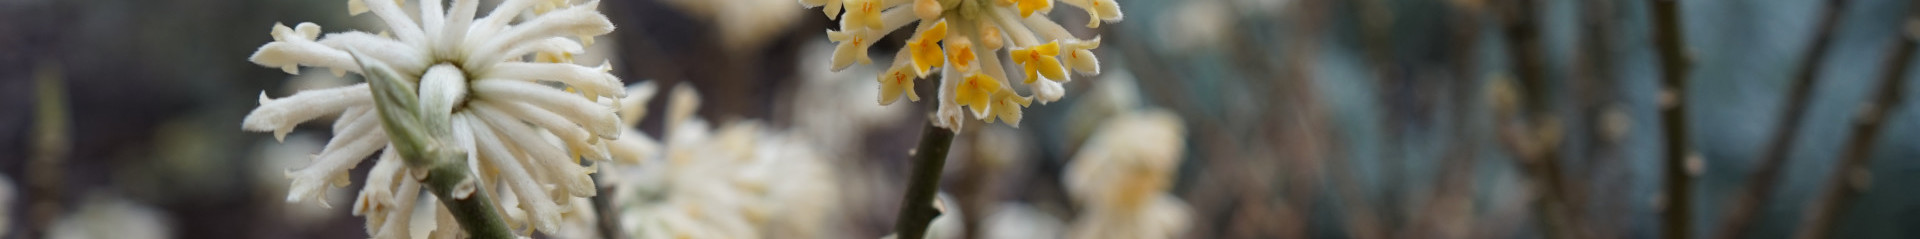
(740,180)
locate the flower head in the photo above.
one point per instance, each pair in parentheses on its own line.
(1121,177)
(961,38)
(525,124)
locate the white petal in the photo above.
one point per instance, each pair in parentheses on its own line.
(583,78)
(632,147)
(1047,28)
(579,20)
(330,168)
(398,22)
(433,18)
(400,56)
(567,131)
(495,21)
(406,202)
(459,19)
(287,55)
(559,168)
(596,118)
(1047,91)
(281,115)
(546,214)
(549,45)
(377,197)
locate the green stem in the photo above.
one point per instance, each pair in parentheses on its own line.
(916,207)
(475,211)
(422,138)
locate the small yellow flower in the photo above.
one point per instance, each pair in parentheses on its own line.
(894,83)
(1079,56)
(960,52)
(852,48)
(1006,107)
(1098,11)
(865,13)
(976,91)
(1027,7)
(1039,61)
(926,48)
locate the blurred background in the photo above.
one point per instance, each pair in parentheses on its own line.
(1296,118)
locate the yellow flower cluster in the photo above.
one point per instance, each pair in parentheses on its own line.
(960,39)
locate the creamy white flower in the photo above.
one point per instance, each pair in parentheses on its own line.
(963,38)
(503,106)
(109,216)
(737,181)
(1121,176)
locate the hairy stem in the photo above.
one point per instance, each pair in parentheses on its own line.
(474,211)
(425,146)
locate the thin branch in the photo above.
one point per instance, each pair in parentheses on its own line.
(916,206)
(1850,178)
(1536,137)
(1675,66)
(1759,188)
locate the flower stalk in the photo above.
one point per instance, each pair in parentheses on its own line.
(420,136)
(916,207)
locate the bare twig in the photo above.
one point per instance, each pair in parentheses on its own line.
(1535,137)
(916,206)
(1850,178)
(1675,66)
(1759,188)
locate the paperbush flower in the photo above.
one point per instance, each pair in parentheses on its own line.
(738,181)
(524,123)
(1122,175)
(971,75)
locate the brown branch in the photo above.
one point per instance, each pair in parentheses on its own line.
(916,204)
(1671,44)
(1759,188)
(1850,178)
(1536,136)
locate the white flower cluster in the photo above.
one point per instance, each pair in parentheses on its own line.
(971,75)
(1121,177)
(520,108)
(738,181)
